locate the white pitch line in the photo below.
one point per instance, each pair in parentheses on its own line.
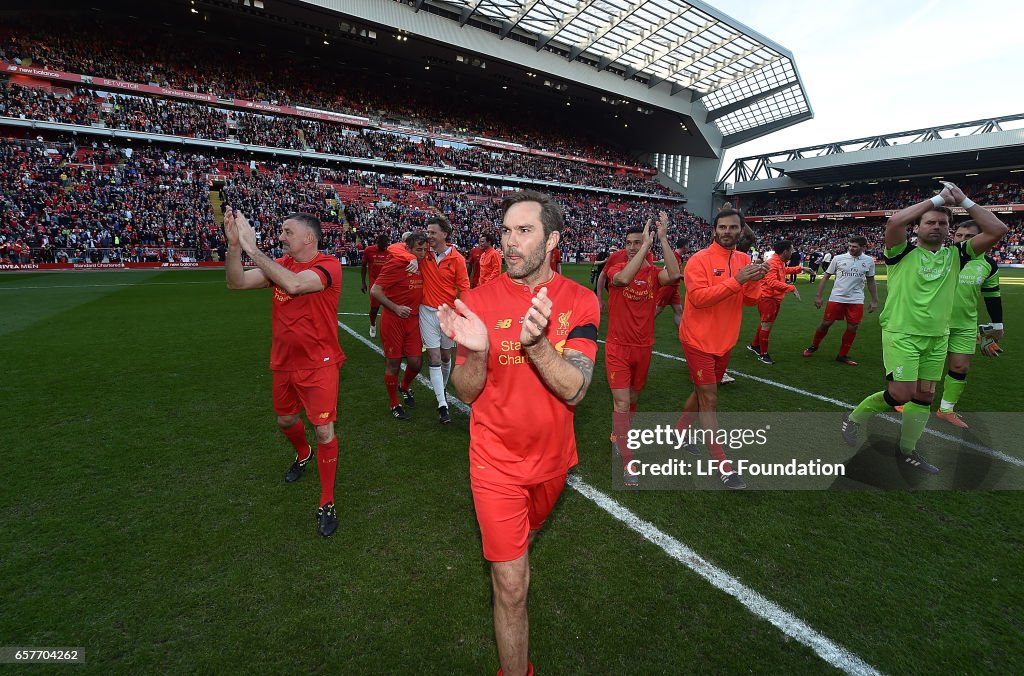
(789,624)
(833,653)
(998,455)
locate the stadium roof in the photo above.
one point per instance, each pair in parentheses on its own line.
(992,143)
(749,84)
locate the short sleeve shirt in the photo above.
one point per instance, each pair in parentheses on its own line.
(520,432)
(631,308)
(922,287)
(304,328)
(851,274)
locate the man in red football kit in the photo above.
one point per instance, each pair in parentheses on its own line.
(374,258)
(719,281)
(773,289)
(669,295)
(489,265)
(556,260)
(473,263)
(632,302)
(444,277)
(400,292)
(304,354)
(527,343)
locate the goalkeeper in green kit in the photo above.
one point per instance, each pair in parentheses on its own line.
(922,284)
(980,277)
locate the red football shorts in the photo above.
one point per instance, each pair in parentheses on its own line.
(769,309)
(669,295)
(626,366)
(508,512)
(400,337)
(316,390)
(851,312)
(705,369)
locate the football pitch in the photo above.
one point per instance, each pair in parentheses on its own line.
(145,518)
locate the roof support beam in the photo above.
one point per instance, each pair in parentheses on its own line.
(748,101)
(719,67)
(694,58)
(514,21)
(544,38)
(608,27)
(652,30)
(468,12)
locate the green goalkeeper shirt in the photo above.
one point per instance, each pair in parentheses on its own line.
(921,287)
(980,277)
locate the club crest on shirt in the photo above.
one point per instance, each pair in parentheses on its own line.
(563,320)
(718,271)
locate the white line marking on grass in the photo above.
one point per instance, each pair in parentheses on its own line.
(833,653)
(998,455)
(354,314)
(836,655)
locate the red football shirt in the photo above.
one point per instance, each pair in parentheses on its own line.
(489,266)
(631,308)
(620,256)
(519,431)
(474,258)
(375,261)
(401,287)
(305,328)
(556,258)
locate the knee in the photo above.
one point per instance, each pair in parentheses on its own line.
(286,421)
(324,433)
(510,589)
(708,401)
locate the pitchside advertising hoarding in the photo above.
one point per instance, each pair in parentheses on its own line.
(107,266)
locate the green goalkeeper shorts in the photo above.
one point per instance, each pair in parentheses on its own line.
(963,341)
(908,358)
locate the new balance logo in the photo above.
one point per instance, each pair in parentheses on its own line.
(503,324)
(325,415)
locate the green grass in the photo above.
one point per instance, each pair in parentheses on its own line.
(145,517)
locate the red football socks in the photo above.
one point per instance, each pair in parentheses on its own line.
(297,436)
(327,463)
(391,383)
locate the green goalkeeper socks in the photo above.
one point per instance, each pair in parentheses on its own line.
(915,417)
(952,390)
(871,405)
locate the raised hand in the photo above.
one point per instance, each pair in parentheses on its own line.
(648,239)
(662,225)
(957,193)
(246,234)
(947,195)
(230,229)
(463,326)
(535,321)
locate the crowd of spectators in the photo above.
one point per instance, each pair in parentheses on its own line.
(122,206)
(1005,189)
(148,114)
(118,48)
(97,203)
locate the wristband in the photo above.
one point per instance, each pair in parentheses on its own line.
(996,326)
(938,200)
(968,203)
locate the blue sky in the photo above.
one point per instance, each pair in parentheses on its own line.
(873,67)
